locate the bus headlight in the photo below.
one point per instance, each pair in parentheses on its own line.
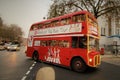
(90,60)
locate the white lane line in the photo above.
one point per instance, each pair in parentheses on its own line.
(31,68)
(28,72)
(33,65)
(24,77)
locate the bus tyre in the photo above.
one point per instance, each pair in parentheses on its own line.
(78,65)
(35,56)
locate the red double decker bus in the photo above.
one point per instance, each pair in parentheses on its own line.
(67,40)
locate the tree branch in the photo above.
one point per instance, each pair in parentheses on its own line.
(103,13)
(109,8)
(91,4)
(99,5)
(107,11)
(78,6)
(73,3)
(85,6)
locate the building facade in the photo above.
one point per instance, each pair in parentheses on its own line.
(109,26)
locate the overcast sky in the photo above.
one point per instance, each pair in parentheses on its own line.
(23,12)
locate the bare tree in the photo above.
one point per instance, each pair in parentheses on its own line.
(97,7)
(57,8)
(16,32)
(1,22)
(11,32)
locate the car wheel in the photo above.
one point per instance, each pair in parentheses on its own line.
(78,65)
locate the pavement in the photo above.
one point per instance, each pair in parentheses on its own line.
(112,59)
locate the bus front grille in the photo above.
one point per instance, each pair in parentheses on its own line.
(97,60)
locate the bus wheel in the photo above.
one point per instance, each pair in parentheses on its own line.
(78,65)
(35,56)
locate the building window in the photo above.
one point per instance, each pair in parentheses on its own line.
(102,31)
(118,31)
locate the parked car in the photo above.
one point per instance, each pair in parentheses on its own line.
(6,45)
(2,43)
(14,47)
(2,47)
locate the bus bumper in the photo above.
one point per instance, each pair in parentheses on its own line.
(94,60)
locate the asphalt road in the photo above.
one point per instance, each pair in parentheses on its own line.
(106,71)
(14,65)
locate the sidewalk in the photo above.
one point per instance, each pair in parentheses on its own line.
(110,58)
(110,55)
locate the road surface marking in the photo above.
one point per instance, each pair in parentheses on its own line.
(33,64)
(28,72)
(31,68)
(24,77)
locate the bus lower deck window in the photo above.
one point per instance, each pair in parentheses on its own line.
(82,42)
(74,42)
(79,42)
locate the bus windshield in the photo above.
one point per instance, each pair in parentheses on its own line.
(92,45)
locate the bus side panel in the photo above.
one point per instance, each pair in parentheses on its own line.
(42,53)
(51,54)
(64,56)
(30,51)
(55,55)
(79,53)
